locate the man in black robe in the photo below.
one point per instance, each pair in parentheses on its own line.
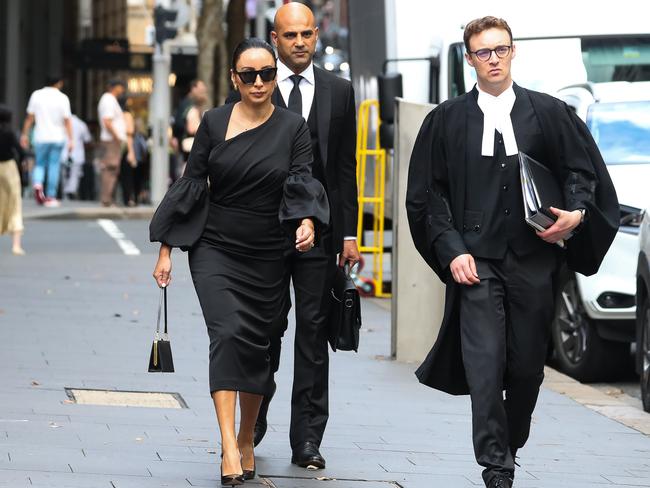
(465,210)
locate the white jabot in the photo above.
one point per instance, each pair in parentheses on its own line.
(496,116)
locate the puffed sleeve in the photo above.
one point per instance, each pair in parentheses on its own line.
(181,216)
(304,196)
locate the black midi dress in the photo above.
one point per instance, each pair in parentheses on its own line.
(238,228)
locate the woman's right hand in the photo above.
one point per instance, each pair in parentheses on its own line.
(162,273)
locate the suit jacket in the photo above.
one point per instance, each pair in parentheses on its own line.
(435,203)
(337,132)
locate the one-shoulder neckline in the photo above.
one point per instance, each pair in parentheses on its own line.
(232,107)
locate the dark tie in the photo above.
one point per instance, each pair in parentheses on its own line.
(295,98)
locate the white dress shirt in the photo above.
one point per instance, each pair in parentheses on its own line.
(307,86)
(496,116)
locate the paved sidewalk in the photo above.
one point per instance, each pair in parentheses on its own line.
(87,322)
(78,209)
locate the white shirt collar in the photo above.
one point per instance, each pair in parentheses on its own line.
(504,94)
(284,72)
(496,116)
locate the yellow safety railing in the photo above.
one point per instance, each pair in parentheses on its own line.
(377,197)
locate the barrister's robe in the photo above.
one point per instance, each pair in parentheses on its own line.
(435,202)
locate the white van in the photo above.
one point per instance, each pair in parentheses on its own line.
(558,43)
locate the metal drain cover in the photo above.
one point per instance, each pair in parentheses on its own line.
(298,482)
(117,398)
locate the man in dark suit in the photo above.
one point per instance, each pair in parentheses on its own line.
(327,104)
(465,210)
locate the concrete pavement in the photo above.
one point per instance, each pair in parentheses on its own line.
(76,312)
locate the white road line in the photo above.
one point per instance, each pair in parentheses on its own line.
(113,230)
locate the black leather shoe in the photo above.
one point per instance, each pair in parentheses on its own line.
(500,481)
(306,455)
(260,423)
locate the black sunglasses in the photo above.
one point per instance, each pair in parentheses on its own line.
(249,77)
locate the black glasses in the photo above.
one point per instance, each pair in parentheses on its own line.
(485,54)
(249,77)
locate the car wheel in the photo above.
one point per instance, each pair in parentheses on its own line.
(645,354)
(578,350)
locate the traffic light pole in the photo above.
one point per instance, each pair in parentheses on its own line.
(160,113)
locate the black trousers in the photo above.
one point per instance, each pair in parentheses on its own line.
(505,326)
(127,180)
(311,274)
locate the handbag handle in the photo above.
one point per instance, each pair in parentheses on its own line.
(162,303)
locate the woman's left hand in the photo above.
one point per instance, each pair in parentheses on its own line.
(305,236)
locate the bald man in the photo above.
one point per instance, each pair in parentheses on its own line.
(327,104)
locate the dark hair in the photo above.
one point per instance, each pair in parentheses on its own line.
(194,83)
(113,82)
(477,26)
(5,118)
(5,113)
(122,99)
(52,79)
(250,43)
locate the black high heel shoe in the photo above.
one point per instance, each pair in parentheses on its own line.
(231,479)
(249,474)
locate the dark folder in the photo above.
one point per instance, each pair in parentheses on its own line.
(540,190)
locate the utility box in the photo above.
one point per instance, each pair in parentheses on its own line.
(417,293)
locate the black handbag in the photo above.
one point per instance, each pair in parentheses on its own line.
(160,359)
(345,312)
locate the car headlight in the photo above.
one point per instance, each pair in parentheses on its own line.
(631,218)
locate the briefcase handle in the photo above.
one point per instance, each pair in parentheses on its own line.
(162,305)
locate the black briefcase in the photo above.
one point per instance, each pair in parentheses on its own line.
(160,359)
(345,312)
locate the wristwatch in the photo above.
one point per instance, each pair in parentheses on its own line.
(583,213)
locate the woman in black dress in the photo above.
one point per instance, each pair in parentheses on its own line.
(261,199)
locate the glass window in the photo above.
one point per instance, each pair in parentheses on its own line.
(622,131)
(456,72)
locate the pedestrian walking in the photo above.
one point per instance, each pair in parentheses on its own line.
(76,158)
(112,138)
(11,153)
(465,210)
(142,157)
(196,96)
(326,102)
(261,157)
(183,129)
(192,121)
(128,162)
(48,110)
